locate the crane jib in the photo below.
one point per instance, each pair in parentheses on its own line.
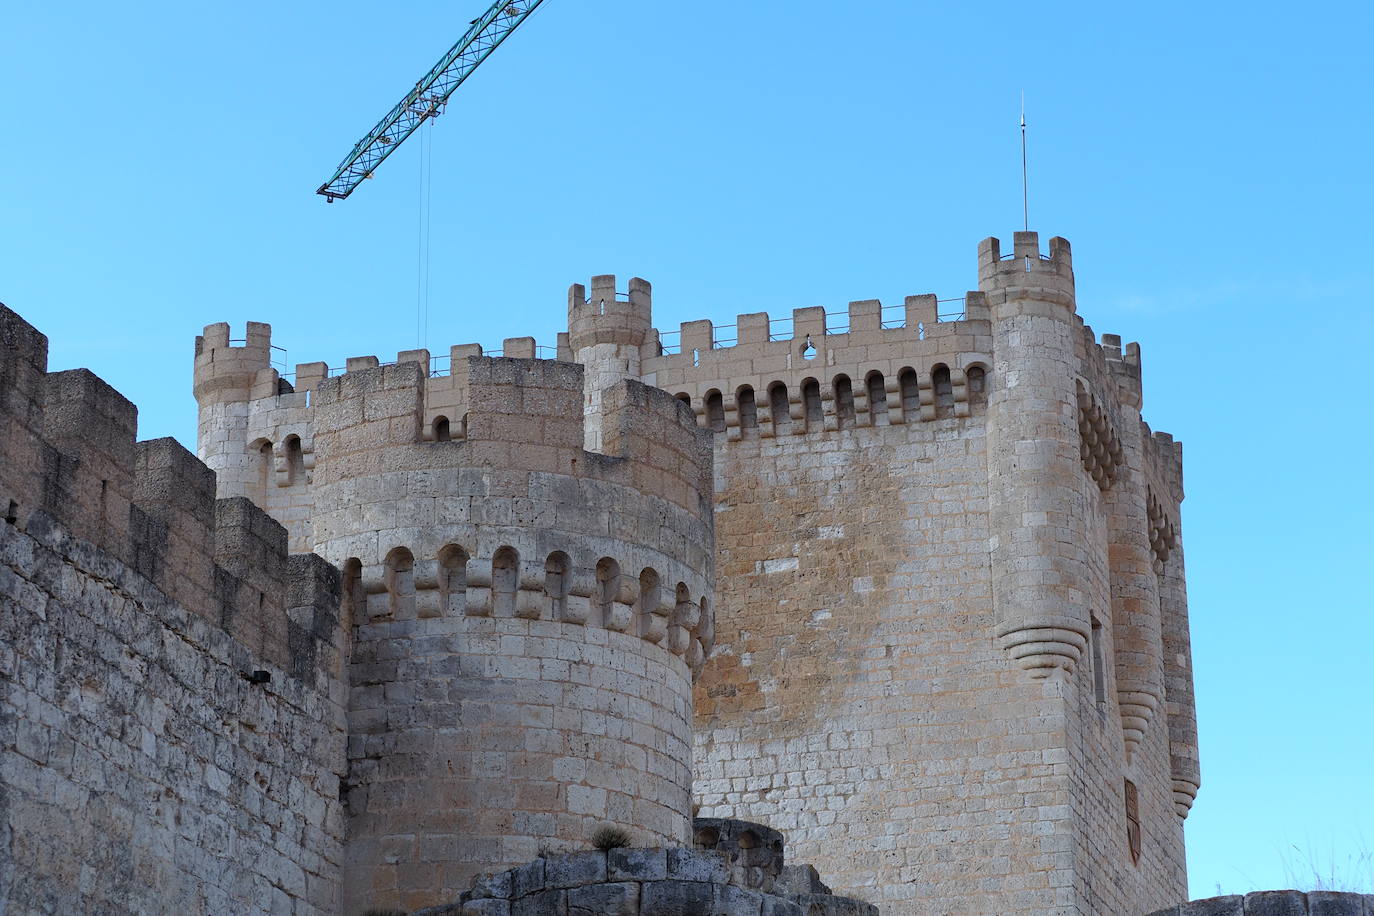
(429,96)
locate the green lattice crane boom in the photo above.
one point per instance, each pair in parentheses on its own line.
(429,96)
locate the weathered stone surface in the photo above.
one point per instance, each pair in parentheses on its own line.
(575,869)
(528,878)
(676,898)
(544,903)
(1331,903)
(695,865)
(800,879)
(1276,903)
(630,864)
(1229,905)
(488,907)
(614,899)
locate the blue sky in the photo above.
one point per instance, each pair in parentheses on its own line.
(1209,162)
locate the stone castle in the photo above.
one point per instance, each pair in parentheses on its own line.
(908,591)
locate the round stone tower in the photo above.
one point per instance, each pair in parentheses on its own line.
(605,333)
(528,618)
(1044,576)
(227,377)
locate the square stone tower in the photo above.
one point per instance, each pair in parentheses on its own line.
(952,658)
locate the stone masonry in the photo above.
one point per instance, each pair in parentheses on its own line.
(905,584)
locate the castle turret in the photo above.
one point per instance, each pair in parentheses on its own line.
(605,333)
(528,618)
(227,377)
(1131,560)
(1041,568)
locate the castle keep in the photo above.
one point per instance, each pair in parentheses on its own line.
(905,585)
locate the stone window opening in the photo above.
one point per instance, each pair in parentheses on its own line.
(977,385)
(400,583)
(264,469)
(778,408)
(453,581)
(944,391)
(442,433)
(1099,668)
(844,402)
(877,399)
(920,330)
(910,388)
(812,407)
(608,580)
(295,460)
(556,583)
(696,357)
(505,573)
(12,513)
(808,349)
(748,410)
(648,600)
(1133,821)
(715,411)
(353,599)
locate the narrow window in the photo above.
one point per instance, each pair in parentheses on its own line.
(354,601)
(556,582)
(648,600)
(944,391)
(715,411)
(1099,672)
(811,400)
(977,386)
(400,583)
(441,430)
(877,399)
(696,357)
(808,349)
(1133,821)
(608,578)
(844,402)
(748,410)
(264,472)
(505,567)
(295,461)
(453,581)
(911,395)
(12,513)
(778,409)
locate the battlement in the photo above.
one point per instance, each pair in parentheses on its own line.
(607,316)
(72,458)
(228,372)
(1026,267)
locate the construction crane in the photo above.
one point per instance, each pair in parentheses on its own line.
(430,95)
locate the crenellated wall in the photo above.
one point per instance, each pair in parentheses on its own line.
(171,698)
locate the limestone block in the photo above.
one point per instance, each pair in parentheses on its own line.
(629,864)
(621,899)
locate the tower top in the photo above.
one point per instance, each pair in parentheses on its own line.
(1025,267)
(607,316)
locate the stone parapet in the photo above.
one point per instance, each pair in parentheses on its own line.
(635,881)
(1277,903)
(71,453)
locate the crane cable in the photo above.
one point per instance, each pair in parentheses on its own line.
(422,235)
